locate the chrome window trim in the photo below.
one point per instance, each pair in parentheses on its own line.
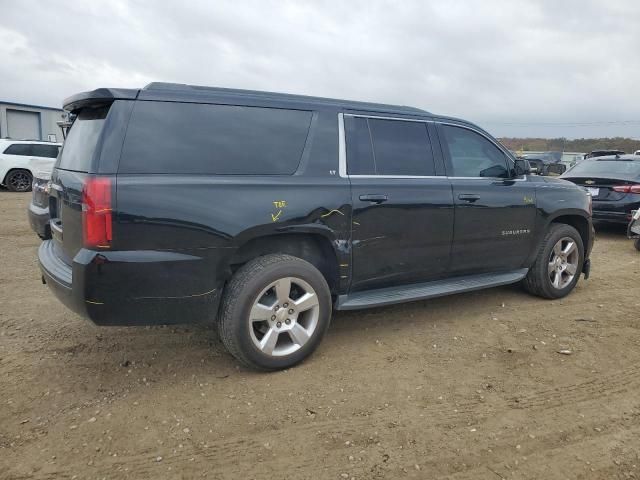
(397,176)
(518,179)
(378,117)
(342,151)
(342,148)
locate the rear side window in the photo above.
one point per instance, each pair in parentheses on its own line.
(47,151)
(189,138)
(82,139)
(22,149)
(388,147)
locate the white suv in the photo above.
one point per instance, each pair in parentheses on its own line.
(15,156)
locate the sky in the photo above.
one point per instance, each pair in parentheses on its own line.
(533,68)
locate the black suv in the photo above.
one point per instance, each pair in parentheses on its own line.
(266,211)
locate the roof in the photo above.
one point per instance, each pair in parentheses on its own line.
(198,94)
(167,91)
(16,104)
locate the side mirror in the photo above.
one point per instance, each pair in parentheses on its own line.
(522,167)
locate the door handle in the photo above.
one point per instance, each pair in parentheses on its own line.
(469,197)
(374,197)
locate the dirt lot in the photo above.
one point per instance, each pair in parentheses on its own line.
(465,387)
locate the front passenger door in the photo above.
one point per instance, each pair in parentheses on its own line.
(494,213)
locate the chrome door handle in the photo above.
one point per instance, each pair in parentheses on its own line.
(469,197)
(374,197)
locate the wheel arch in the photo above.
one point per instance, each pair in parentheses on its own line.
(579,222)
(576,218)
(13,169)
(314,247)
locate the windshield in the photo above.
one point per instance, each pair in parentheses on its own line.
(618,168)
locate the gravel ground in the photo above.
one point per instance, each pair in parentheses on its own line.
(466,387)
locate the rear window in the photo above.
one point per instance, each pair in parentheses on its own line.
(592,168)
(82,139)
(165,137)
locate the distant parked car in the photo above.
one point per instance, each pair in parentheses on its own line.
(614,184)
(637,152)
(39,207)
(545,164)
(15,156)
(603,153)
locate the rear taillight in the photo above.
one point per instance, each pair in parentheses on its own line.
(96,213)
(627,188)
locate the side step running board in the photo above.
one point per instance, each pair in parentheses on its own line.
(421,291)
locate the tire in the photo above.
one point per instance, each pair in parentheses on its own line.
(255,325)
(636,244)
(546,278)
(19,180)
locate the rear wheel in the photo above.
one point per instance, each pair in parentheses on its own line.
(558,265)
(275,311)
(19,180)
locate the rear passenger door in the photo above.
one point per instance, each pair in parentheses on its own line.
(402,203)
(494,213)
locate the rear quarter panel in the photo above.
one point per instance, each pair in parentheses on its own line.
(208,217)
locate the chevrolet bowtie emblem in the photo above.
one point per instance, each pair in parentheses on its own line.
(590,182)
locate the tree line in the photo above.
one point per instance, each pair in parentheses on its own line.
(628,145)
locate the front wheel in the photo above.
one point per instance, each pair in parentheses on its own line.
(275,311)
(558,265)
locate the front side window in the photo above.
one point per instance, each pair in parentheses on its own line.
(22,149)
(388,147)
(472,155)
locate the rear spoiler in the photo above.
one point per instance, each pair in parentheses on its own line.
(99,96)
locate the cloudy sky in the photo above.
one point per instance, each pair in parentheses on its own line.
(518,68)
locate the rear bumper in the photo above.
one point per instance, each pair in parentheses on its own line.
(621,218)
(39,221)
(103,287)
(616,212)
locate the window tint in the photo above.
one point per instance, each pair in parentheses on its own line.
(359,149)
(388,147)
(82,139)
(22,149)
(401,148)
(188,138)
(472,155)
(48,151)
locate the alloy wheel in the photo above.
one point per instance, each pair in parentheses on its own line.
(284,316)
(563,262)
(20,181)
